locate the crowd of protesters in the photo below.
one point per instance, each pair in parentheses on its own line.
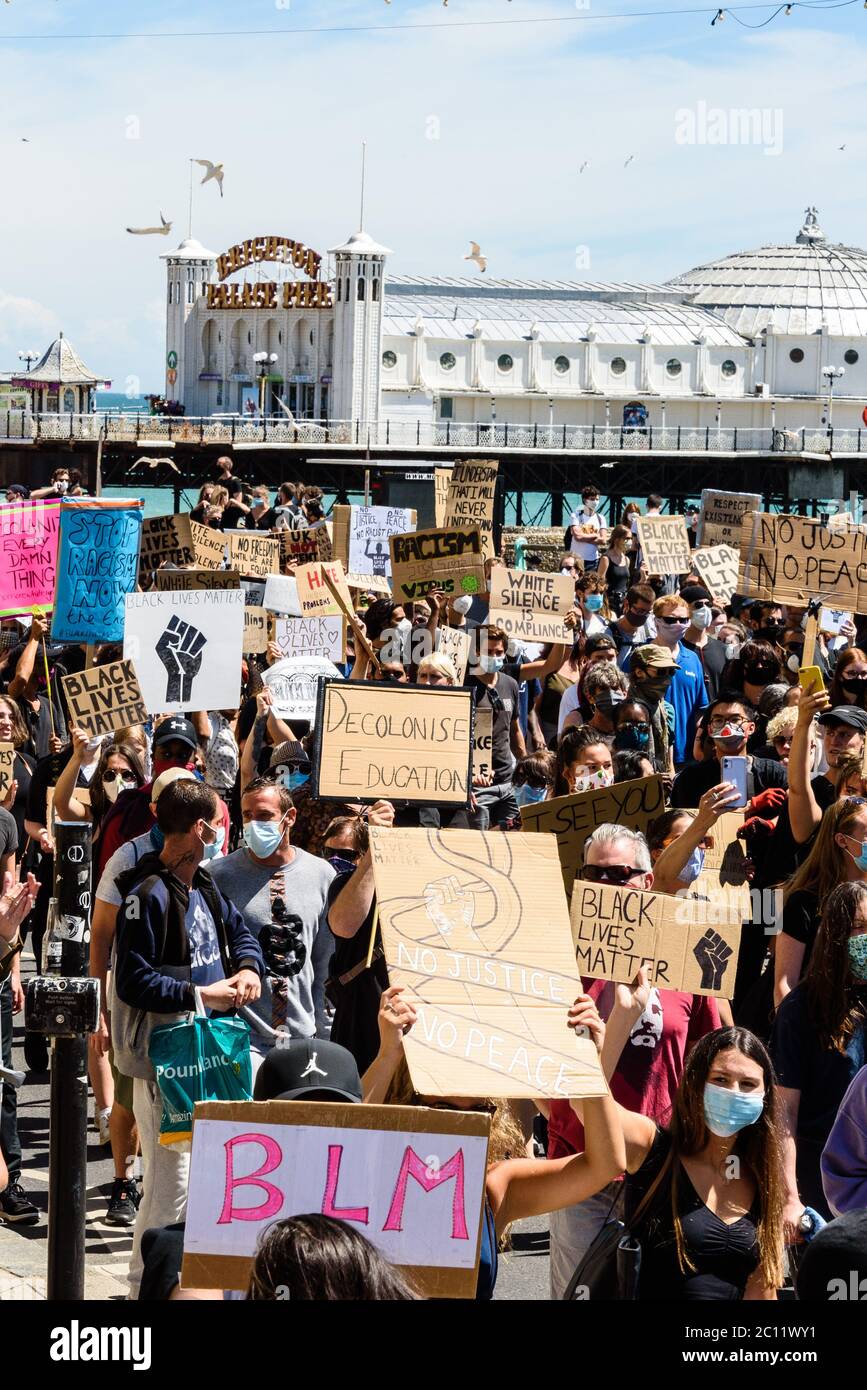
(734,1139)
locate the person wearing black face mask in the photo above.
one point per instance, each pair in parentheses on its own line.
(849,685)
(756,666)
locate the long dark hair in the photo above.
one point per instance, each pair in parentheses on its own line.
(836,999)
(318,1258)
(755,650)
(573,741)
(99,802)
(759,1145)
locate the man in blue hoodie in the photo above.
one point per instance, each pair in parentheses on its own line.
(179,942)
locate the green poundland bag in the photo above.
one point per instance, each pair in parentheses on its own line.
(204,1059)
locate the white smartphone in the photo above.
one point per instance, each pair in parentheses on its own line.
(734,770)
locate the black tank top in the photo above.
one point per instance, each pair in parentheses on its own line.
(616,576)
(724,1255)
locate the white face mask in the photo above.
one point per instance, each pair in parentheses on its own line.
(462,604)
(702,618)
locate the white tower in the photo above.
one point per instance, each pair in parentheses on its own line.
(359,273)
(188,271)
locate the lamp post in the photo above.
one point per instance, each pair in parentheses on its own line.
(833,374)
(264,362)
(28,357)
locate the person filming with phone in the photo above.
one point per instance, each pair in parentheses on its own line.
(731,721)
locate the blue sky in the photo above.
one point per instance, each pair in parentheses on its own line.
(514,110)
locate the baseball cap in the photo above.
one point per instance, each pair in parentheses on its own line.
(171,774)
(308,1069)
(176,728)
(845,714)
(652,655)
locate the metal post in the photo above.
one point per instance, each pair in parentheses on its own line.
(67,1161)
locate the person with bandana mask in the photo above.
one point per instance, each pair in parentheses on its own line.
(819,1044)
(686,691)
(710,1228)
(180,944)
(282,894)
(651,670)
(174,744)
(731,721)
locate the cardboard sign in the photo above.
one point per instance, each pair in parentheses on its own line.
(314,596)
(254,591)
(572,818)
(543,543)
(831,620)
(368,584)
(617,931)
(103,699)
(97,568)
(470,500)
(442,478)
(451,560)
(178,540)
(280,595)
(791,559)
(7,761)
(303,547)
(255,554)
(454,642)
(28,557)
(721,516)
(361,642)
(186,649)
(664,544)
(310,637)
(475,924)
(394,742)
(369,531)
(718,568)
(255,630)
(295,685)
(530,605)
(411,1180)
(483,743)
(184,581)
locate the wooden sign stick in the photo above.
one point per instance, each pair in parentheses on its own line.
(357,627)
(811,632)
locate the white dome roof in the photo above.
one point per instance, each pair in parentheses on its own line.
(360,244)
(794,288)
(189,250)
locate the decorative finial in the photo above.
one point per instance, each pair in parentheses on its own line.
(810,231)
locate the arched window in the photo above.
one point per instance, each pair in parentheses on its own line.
(339,291)
(374,291)
(360,288)
(191,292)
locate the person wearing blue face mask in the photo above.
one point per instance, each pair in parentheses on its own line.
(819,1043)
(180,943)
(282,893)
(704,1196)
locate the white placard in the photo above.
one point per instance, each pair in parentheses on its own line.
(369,530)
(368,1177)
(832,619)
(187,648)
(281,595)
(295,683)
(310,637)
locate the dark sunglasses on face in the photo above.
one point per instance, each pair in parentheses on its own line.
(337,851)
(610,873)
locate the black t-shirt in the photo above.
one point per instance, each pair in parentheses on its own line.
(356,1002)
(22,772)
(822,1075)
(38,724)
(8,833)
(723,1254)
(697,778)
(268,520)
(713,659)
(234,517)
(784,855)
(801,918)
(502,697)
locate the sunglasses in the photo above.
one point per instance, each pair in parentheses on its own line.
(671,622)
(353,855)
(610,873)
(108,777)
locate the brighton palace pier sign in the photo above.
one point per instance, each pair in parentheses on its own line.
(270,294)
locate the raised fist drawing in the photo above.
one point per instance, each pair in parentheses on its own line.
(448,905)
(713,955)
(180,651)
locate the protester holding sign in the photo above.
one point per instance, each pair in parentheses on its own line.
(491,687)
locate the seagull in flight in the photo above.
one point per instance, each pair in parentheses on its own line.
(154,463)
(628,160)
(476,255)
(213,171)
(152,231)
(841,147)
(585,165)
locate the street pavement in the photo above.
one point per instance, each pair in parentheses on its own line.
(523,1272)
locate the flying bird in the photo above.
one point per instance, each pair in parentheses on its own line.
(585,165)
(152,231)
(841,147)
(476,255)
(213,171)
(154,463)
(628,160)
